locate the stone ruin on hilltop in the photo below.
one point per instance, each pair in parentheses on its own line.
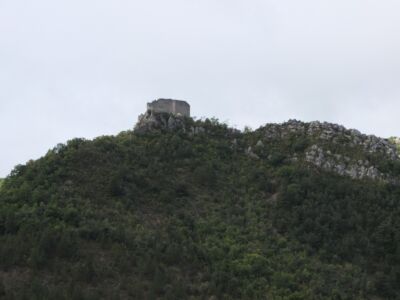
(176,107)
(165,114)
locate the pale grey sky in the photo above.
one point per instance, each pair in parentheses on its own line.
(83,68)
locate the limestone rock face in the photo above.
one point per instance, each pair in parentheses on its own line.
(151,121)
(332,133)
(329,162)
(249,152)
(260,144)
(334,148)
(327,146)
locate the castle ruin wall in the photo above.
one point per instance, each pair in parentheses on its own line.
(170,106)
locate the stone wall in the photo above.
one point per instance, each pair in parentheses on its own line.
(171,106)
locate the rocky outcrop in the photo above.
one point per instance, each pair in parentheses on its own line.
(334,148)
(330,147)
(343,165)
(249,152)
(151,121)
(333,134)
(395,141)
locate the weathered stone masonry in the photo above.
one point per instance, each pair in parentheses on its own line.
(175,107)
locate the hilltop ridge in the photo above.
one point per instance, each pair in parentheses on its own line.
(180,208)
(337,149)
(329,146)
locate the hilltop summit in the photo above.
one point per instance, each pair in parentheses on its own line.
(193,209)
(163,114)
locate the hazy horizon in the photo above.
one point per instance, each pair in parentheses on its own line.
(83,69)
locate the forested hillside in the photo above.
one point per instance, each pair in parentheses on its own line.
(204,214)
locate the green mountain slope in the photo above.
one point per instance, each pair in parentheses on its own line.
(204,214)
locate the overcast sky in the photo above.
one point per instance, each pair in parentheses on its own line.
(84,68)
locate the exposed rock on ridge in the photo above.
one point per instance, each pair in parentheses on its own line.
(333,133)
(342,165)
(159,121)
(330,147)
(153,121)
(334,148)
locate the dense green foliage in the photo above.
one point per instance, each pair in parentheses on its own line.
(174,216)
(1,182)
